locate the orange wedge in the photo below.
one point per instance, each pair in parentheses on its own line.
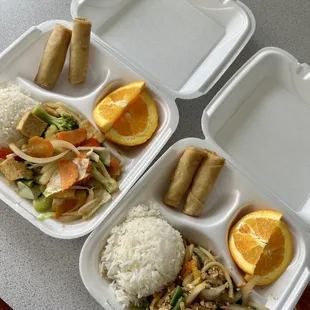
(275,258)
(138,123)
(112,107)
(249,237)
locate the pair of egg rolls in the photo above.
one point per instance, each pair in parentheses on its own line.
(55,53)
(194,175)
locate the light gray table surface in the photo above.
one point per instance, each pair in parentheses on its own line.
(39,272)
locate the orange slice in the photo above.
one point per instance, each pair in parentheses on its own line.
(275,258)
(138,123)
(111,108)
(249,237)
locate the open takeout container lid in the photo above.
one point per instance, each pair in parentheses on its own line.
(182,47)
(259,122)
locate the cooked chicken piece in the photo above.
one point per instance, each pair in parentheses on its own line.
(31,126)
(204,305)
(208,304)
(165,306)
(215,273)
(14,170)
(164,302)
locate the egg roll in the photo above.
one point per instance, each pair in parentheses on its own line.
(54,57)
(182,176)
(203,183)
(79,50)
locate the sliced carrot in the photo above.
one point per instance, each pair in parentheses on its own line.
(84,180)
(65,206)
(69,173)
(115,167)
(91,142)
(76,137)
(39,147)
(187,270)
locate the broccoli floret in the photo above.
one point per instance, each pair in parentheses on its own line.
(63,123)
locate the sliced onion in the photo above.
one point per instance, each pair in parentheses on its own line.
(90,152)
(194,293)
(207,253)
(188,280)
(189,252)
(47,167)
(46,176)
(81,211)
(91,195)
(32,159)
(92,155)
(226,275)
(247,289)
(66,145)
(70,217)
(92,206)
(212,294)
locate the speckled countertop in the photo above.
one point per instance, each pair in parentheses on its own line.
(38,272)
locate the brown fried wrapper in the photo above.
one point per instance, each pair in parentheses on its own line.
(54,57)
(182,176)
(79,50)
(203,183)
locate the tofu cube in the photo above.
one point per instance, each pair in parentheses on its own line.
(15,170)
(31,126)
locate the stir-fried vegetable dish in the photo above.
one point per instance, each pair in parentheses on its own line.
(60,163)
(203,284)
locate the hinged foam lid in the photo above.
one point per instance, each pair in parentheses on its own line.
(261,120)
(182,46)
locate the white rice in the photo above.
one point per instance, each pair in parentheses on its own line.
(14,102)
(142,255)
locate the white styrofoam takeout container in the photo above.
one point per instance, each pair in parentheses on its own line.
(151,40)
(259,122)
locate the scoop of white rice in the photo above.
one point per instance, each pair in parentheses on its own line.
(14,102)
(142,255)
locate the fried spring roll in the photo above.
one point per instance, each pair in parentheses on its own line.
(203,183)
(79,50)
(54,57)
(182,176)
